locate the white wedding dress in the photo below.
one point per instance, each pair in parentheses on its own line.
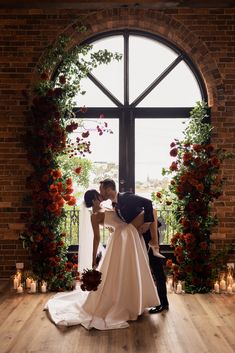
(127,286)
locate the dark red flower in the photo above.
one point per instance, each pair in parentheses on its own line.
(85,134)
(174,152)
(45,76)
(62,79)
(78,170)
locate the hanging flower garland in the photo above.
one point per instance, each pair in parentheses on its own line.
(50,122)
(195,184)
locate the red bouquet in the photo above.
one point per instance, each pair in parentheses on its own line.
(90,279)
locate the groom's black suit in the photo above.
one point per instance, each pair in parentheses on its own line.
(128,207)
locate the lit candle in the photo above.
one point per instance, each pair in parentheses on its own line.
(20,289)
(222,284)
(229,289)
(28,282)
(19,277)
(179,288)
(33,287)
(216,287)
(233,287)
(15,282)
(44,287)
(229,280)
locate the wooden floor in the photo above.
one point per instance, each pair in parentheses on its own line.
(200,323)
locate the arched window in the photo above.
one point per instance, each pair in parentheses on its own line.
(144,97)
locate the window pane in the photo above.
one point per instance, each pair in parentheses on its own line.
(105,152)
(110,75)
(93,97)
(147,60)
(178,89)
(152,146)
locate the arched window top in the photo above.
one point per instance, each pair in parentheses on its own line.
(152,73)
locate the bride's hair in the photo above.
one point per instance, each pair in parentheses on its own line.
(89,196)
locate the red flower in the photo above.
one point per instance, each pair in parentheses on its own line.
(189,238)
(53,207)
(197,147)
(83,109)
(200,187)
(56,174)
(173,166)
(215,162)
(85,134)
(90,280)
(187,157)
(174,152)
(203,245)
(69,182)
(62,79)
(78,170)
(159,195)
(45,76)
(169,263)
(68,190)
(72,201)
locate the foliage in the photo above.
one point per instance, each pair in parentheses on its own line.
(196,182)
(47,142)
(69,165)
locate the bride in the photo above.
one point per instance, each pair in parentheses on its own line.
(127,286)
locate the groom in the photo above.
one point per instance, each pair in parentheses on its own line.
(128,206)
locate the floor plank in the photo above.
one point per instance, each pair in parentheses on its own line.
(200,323)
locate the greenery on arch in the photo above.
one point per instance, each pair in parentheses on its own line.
(196,182)
(50,122)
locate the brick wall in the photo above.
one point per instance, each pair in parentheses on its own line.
(206,35)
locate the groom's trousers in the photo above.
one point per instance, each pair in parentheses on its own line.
(156,265)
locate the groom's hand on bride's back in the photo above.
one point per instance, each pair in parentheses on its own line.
(144,228)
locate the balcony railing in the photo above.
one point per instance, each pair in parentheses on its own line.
(71,227)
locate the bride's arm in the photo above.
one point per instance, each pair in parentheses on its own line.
(138,221)
(96,220)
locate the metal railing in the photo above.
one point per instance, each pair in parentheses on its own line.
(71,227)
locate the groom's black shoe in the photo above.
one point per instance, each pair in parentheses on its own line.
(158,309)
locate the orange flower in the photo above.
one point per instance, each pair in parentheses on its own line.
(56,174)
(60,186)
(68,191)
(72,201)
(67,197)
(53,189)
(53,207)
(69,182)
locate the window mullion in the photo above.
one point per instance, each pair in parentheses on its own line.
(126,68)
